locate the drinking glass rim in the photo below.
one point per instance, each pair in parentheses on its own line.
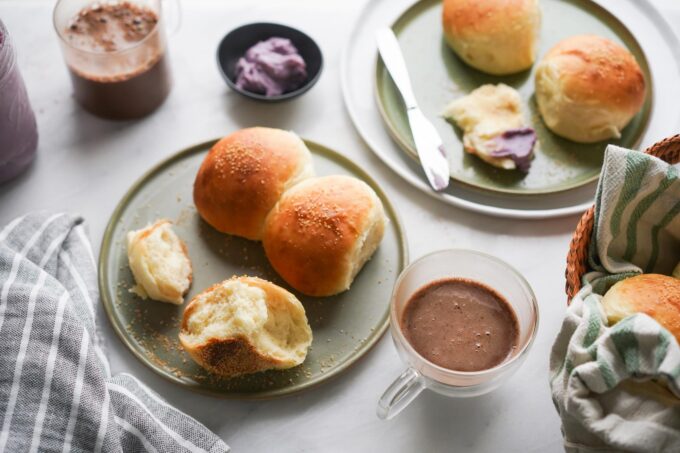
(104,52)
(395,322)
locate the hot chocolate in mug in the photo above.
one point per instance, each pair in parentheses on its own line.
(471,313)
(116,54)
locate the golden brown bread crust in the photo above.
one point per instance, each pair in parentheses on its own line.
(595,69)
(310,234)
(462,18)
(230,357)
(235,356)
(244,175)
(495,36)
(653,294)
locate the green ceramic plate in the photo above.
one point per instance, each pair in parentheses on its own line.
(345,326)
(438,77)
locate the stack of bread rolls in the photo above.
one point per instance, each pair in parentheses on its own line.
(588,88)
(258,183)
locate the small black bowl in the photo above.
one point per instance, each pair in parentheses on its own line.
(234,45)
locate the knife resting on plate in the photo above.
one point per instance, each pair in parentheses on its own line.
(428,143)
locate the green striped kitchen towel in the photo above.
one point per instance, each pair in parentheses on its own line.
(617,388)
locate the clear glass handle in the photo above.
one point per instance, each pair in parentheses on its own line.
(172,15)
(400,394)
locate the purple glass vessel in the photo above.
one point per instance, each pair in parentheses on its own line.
(18,130)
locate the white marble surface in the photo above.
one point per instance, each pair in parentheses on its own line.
(86,164)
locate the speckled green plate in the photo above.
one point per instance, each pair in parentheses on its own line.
(438,77)
(344,326)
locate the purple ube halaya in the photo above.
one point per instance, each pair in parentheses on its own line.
(494,127)
(516,144)
(18,130)
(271,67)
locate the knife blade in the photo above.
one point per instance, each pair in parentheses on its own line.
(429,144)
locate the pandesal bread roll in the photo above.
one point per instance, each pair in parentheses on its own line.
(656,393)
(495,36)
(653,294)
(244,325)
(322,232)
(588,88)
(160,263)
(244,175)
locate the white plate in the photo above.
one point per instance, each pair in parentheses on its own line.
(656,38)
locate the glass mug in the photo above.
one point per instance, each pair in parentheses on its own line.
(421,373)
(125,83)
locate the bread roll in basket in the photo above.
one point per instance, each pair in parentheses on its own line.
(667,150)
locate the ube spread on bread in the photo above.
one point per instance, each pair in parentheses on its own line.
(494,127)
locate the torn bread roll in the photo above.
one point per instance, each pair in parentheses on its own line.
(160,263)
(244,325)
(494,128)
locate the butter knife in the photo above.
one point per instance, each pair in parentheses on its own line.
(429,145)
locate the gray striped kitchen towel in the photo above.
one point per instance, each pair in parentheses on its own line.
(56,391)
(617,388)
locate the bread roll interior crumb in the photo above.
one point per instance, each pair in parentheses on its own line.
(244,325)
(159,262)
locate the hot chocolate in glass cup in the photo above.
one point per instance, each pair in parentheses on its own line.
(116,54)
(462,321)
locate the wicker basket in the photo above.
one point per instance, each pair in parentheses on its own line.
(667,150)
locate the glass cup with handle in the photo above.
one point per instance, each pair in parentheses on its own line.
(422,374)
(128,75)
